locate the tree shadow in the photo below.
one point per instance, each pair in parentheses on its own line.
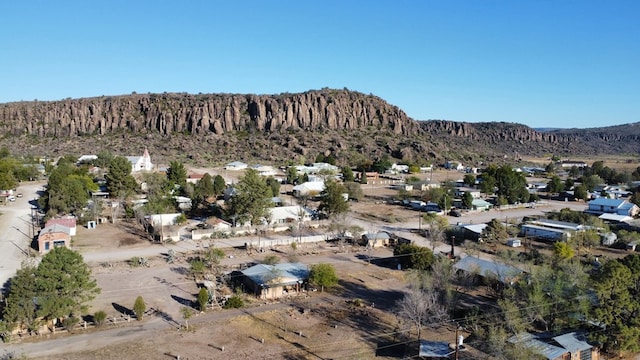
(182,301)
(122,310)
(181,270)
(389,262)
(380,298)
(391,349)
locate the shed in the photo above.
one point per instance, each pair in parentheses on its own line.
(373,240)
(529,341)
(514,242)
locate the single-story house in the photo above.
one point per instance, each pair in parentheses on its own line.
(86,158)
(570,163)
(453,165)
(373,240)
(309,188)
(289,214)
(140,163)
(193,178)
(600,206)
(615,218)
(475,193)
(236,166)
(488,269)
(53,236)
(275,281)
(550,229)
(184,203)
(161,226)
(69,222)
(316,168)
(563,347)
(481,205)
(264,170)
(472,231)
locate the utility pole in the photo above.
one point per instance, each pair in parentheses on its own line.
(453,255)
(456,343)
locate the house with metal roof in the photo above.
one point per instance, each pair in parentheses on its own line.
(488,269)
(275,281)
(601,206)
(434,350)
(52,236)
(562,347)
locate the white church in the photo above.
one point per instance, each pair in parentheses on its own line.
(141,163)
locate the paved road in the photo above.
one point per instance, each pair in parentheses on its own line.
(16,231)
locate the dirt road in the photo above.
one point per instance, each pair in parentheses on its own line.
(16,231)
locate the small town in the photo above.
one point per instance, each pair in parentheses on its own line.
(435,262)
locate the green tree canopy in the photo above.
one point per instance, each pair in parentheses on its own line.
(347,174)
(332,201)
(467,200)
(68,189)
(413,256)
(251,199)
(119,180)
(219,185)
(323,275)
(60,286)
(177,174)
(554,185)
(354,190)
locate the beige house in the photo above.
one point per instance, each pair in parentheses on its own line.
(53,236)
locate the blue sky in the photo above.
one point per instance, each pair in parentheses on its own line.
(540,63)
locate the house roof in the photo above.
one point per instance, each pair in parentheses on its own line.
(237,164)
(376,236)
(557,224)
(615,217)
(69,222)
(288,212)
(278,274)
(434,349)
(570,342)
(480,202)
(601,201)
(310,186)
(529,341)
(475,228)
(487,268)
(55,228)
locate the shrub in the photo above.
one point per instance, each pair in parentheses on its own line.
(234,302)
(99,318)
(70,322)
(139,307)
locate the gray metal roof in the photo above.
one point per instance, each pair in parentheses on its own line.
(529,341)
(570,342)
(487,268)
(283,274)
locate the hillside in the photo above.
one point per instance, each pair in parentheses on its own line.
(216,128)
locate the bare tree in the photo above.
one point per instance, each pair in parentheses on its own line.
(421,307)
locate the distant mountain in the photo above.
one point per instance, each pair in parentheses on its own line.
(216,128)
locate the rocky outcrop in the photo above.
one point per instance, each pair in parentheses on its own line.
(201,114)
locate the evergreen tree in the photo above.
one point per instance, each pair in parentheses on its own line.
(332,201)
(177,174)
(251,200)
(64,284)
(119,179)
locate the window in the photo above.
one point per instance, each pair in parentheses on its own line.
(58,243)
(46,245)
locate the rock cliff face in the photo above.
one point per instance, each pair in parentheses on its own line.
(201,114)
(220,127)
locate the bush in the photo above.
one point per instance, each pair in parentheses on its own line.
(99,318)
(234,302)
(139,307)
(134,261)
(70,322)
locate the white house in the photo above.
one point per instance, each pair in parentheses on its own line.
(264,170)
(141,163)
(236,166)
(86,158)
(316,168)
(453,165)
(308,188)
(289,214)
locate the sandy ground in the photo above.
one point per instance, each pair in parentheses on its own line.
(316,325)
(16,230)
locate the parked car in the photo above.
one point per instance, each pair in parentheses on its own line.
(11,198)
(19,195)
(455,213)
